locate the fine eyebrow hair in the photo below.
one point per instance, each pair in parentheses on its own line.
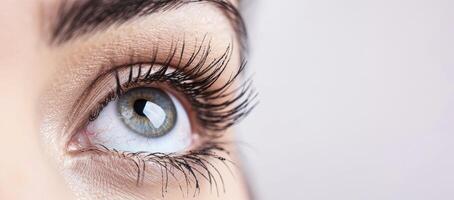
(80,17)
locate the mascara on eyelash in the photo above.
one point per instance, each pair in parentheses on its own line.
(217,109)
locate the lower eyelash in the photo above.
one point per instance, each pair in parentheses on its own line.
(196,165)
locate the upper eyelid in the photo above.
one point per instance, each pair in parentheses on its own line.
(159,53)
(155,59)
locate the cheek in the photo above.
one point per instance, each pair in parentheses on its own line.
(109,130)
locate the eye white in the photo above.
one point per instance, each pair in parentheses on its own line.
(109,130)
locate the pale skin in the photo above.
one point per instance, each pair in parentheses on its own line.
(42,81)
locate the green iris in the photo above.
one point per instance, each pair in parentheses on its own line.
(147,111)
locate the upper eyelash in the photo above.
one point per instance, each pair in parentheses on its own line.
(195,80)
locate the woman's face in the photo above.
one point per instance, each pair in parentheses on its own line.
(122,99)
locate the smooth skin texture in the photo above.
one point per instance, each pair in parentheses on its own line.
(40,83)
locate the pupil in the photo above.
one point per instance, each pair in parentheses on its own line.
(139,105)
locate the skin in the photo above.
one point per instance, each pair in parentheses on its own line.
(41,83)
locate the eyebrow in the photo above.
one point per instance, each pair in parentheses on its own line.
(80,17)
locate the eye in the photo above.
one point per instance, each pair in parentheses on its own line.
(142,119)
(158,108)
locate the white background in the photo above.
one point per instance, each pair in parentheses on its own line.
(357,99)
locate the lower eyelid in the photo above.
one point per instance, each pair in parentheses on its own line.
(157,174)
